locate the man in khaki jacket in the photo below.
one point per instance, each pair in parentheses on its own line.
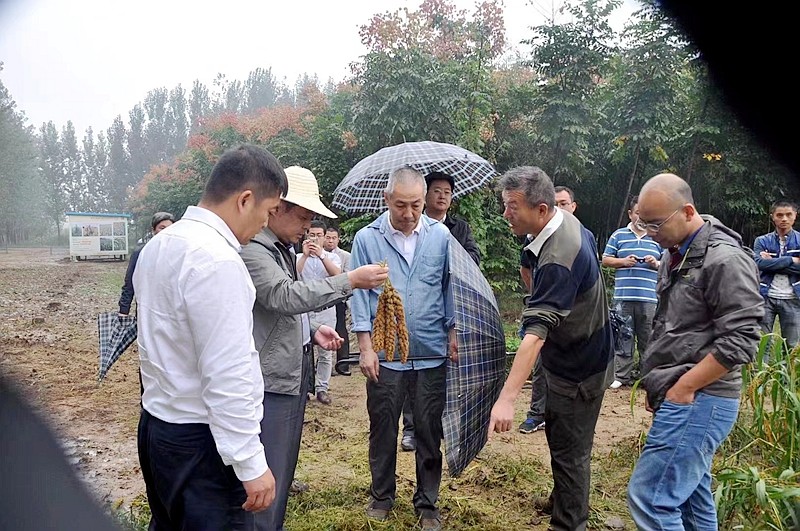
(282,331)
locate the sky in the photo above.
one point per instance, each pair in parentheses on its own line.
(90,60)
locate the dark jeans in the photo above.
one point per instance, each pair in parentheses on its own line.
(570,418)
(281,431)
(384,403)
(188,486)
(788,313)
(538,392)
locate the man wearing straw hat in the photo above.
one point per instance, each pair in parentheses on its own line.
(283,332)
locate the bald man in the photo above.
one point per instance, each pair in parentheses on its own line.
(705,328)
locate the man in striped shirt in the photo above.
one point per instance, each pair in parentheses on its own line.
(636,257)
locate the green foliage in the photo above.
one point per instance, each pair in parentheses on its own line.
(758,473)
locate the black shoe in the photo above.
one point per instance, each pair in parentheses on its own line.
(297,487)
(408,443)
(343,372)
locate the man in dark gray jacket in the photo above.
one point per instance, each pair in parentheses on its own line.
(282,331)
(705,328)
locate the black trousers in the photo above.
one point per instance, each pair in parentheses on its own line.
(188,486)
(281,431)
(570,415)
(341,329)
(384,404)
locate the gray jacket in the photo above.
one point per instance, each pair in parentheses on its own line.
(710,304)
(280,302)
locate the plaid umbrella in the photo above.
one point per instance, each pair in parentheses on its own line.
(475,381)
(362,188)
(116,333)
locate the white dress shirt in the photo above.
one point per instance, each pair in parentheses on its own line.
(406,244)
(195,315)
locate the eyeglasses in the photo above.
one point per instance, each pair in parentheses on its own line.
(654,227)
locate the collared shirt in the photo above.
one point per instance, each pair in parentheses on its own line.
(636,283)
(314,269)
(677,254)
(422,286)
(555,222)
(406,244)
(198,359)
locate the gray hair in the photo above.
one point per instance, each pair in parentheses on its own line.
(405,175)
(533,182)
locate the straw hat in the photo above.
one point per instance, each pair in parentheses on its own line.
(304,191)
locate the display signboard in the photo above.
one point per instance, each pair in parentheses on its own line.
(98,235)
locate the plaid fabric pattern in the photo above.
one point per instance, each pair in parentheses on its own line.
(116,333)
(474,383)
(362,188)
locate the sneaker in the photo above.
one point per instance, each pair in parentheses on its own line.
(616,384)
(323,398)
(408,443)
(531,425)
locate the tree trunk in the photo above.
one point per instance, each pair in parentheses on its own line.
(630,184)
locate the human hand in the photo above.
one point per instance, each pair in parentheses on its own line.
(307,247)
(327,338)
(765,254)
(369,364)
(502,416)
(453,340)
(368,276)
(652,261)
(260,492)
(680,394)
(630,260)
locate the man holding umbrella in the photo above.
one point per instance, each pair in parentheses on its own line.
(566,319)
(416,249)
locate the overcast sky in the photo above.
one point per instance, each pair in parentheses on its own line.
(90,60)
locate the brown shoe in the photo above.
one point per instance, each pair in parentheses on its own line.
(431,524)
(375,513)
(323,398)
(543,505)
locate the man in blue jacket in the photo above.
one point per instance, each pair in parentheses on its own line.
(416,249)
(777,255)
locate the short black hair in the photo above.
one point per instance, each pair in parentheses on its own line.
(333,228)
(782,203)
(440,176)
(632,202)
(246,167)
(317,224)
(567,189)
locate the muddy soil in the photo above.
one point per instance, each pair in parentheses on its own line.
(49,346)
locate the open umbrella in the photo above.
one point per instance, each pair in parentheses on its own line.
(116,332)
(362,188)
(475,381)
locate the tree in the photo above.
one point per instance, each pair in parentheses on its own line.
(118,170)
(72,164)
(21,191)
(199,104)
(53,177)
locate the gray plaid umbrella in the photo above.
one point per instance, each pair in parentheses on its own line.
(474,383)
(116,333)
(362,188)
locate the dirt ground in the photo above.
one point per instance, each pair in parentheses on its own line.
(49,346)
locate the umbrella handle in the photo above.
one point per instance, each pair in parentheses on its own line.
(343,365)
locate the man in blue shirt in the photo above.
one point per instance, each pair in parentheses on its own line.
(777,256)
(635,256)
(416,249)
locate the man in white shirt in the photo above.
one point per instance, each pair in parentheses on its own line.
(332,238)
(203,464)
(315,263)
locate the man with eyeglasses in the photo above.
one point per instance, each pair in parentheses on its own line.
(705,328)
(635,256)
